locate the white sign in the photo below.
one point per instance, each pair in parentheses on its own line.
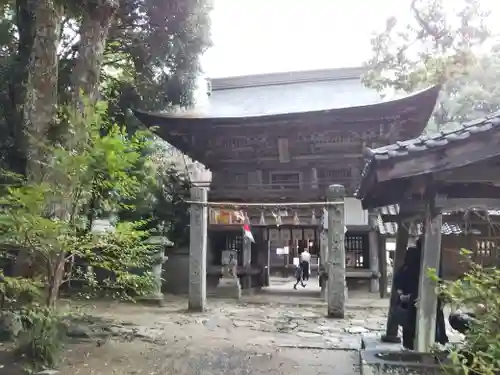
(296,262)
(282,250)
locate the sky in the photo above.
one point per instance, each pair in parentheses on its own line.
(263,36)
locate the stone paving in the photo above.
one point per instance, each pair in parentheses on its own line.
(275,324)
(266,333)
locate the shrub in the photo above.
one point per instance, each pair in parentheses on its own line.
(478,291)
(18,291)
(42,340)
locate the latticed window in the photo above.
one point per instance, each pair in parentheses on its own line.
(356,249)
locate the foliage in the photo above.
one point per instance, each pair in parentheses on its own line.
(18,291)
(45,216)
(157,44)
(151,60)
(92,168)
(444,43)
(479,291)
(162,200)
(42,339)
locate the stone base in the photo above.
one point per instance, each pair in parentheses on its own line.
(154,300)
(379,362)
(228,288)
(373,341)
(391,339)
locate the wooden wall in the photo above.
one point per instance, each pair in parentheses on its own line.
(485,251)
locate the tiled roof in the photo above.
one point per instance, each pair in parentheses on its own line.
(391,228)
(426,142)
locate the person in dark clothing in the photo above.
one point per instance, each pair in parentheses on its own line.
(407,284)
(299,276)
(461,321)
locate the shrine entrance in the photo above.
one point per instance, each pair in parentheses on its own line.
(231,271)
(275,252)
(287,242)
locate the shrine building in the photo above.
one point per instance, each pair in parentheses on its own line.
(285,137)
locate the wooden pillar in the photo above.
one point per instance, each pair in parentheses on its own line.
(247,263)
(314,178)
(336,253)
(382,262)
(267,274)
(198,250)
(431,255)
(373,244)
(391,332)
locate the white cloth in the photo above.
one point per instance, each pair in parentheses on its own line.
(305,256)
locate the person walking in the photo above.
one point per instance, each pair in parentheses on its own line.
(299,277)
(305,261)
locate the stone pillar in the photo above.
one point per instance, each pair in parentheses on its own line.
(336,253)
(427,304)
(373,244)
(392,327)
(323,243)
(159,243)
(198,250)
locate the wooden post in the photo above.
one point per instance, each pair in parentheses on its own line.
(336,253)
(392,327)
(382,262)
(267,274)
(374,253)
(198,251)
(427,296)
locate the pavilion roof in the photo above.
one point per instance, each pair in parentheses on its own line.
(424,99)
(191,132)
(392,171)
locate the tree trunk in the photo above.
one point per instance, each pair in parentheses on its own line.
(94,30)
(14,102)
(40,105)
(55,279)
(40,101)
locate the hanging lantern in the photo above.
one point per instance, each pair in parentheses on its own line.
(296,220)
(262,220)
(314,221)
